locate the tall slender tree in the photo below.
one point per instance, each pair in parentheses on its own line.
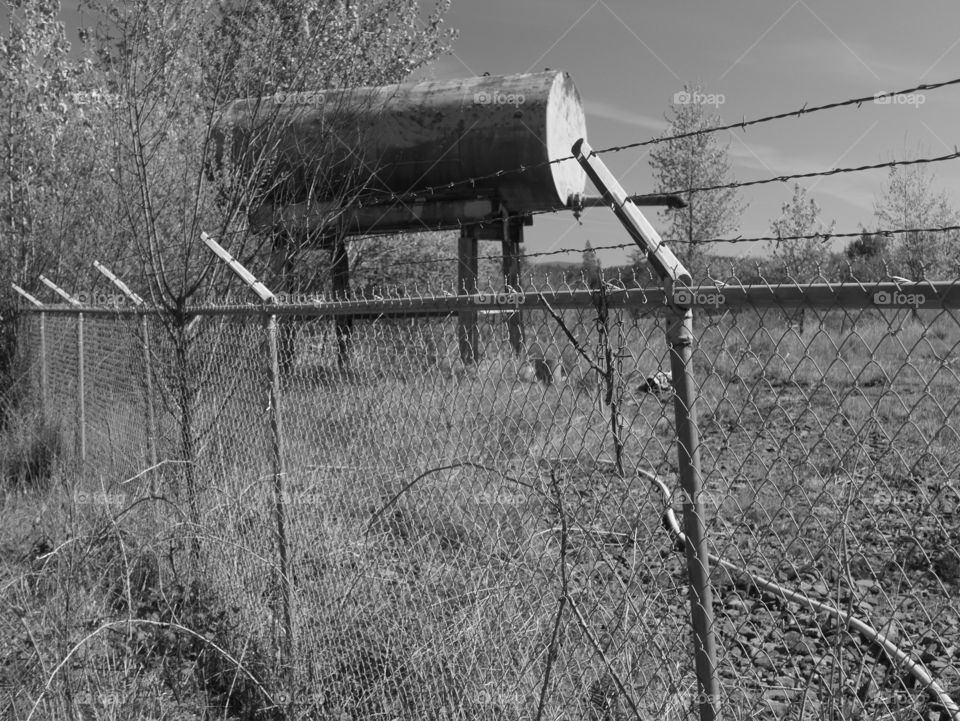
(592,271)
(798,259)
(695,161)
(910,200)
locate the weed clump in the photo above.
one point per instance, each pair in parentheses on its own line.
(28,453)
(182,634)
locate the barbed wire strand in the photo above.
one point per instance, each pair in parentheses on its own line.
(814,174)
(805,110)
(393,197)
(822,237)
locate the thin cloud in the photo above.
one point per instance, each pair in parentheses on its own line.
(767,160)
(624,116)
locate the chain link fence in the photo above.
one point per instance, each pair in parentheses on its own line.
(399,533)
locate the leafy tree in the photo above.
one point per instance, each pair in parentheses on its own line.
(171,67)
(52,149)
(175,64)
(798,259)
(291,45)
(867,255)
(405,263)
(696,161)
(349,44)
(908,200)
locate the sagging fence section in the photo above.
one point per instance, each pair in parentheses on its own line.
(412,536)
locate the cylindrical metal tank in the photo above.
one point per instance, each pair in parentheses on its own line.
(404,138)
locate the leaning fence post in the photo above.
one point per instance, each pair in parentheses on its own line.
(81,399)
(43,349)
(676,281)
(145,348)
(277,455)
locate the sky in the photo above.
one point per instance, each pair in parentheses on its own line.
(758,57)
(629,58)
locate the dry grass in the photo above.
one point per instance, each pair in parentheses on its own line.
(437,598)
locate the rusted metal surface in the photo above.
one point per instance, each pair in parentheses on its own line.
(402,138)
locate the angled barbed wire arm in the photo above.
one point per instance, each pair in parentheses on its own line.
(277,453)
(677,282)
(663,260)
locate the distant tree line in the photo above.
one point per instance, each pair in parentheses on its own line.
(908,199)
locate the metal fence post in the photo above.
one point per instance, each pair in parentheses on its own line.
(81,399)
(43,367)
(680,337)
(148,372)
(81,402)
(277,456)
(276,442)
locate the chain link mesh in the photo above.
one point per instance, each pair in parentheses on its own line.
(829,445)
(482,539)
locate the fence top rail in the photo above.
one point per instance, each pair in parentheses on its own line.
(930,295)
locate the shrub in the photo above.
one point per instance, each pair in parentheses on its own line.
(28,453)
(186,663)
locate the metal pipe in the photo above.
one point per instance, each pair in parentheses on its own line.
(680,337)
(868,632)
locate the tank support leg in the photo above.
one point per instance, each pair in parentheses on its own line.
(467,270)
(512,238)
(341,291)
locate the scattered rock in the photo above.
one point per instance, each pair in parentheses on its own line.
(733,601)
(788,682)
(866,584)
(778,709)
(794,642)
(764,656)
